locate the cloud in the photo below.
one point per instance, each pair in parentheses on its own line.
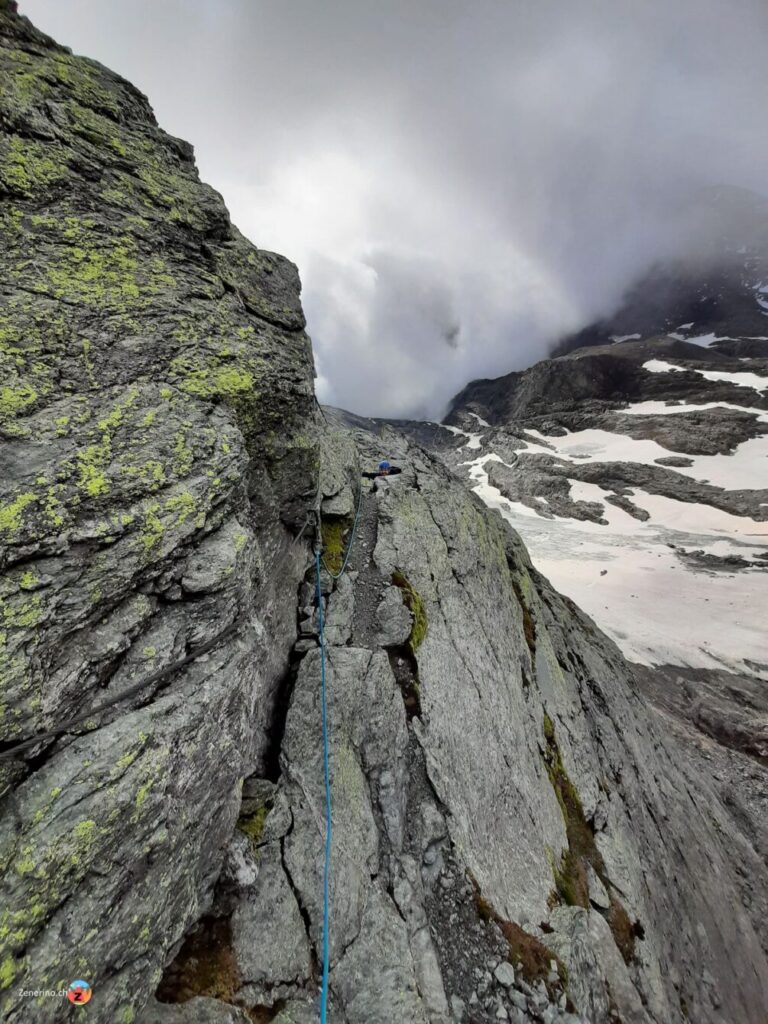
(460,183)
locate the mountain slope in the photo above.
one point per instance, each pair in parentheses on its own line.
(500,789)
(633,471)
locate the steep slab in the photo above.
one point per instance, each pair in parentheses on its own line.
(155,412)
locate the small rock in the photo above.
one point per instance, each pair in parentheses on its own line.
(518,999)
(458,1009)
(501,1014)
(505,974)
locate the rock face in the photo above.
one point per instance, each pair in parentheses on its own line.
(156,412)
(507,810)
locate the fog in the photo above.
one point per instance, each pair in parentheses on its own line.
(459,183)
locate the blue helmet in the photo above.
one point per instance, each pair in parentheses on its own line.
(384,465)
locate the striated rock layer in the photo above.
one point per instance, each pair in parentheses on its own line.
(156,403)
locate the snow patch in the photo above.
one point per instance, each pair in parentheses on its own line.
(659,366)
(651,408)
(474,439)
(744,380)
(652,605)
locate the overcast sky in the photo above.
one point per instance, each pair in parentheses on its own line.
(459,182)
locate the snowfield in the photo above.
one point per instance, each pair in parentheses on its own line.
(628,575)
(745,468)
(743,380)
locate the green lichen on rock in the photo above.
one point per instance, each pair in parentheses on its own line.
(253,824)
(28,167)
(334,533)
(152,395)
(415,604)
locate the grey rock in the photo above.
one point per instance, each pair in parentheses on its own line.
(393,619)
(256,793)
(505,974)
(267,958)
(597,892)
(518,999)
(388,992)
(158,485)
(341,607)
(584,942)
(339,474)
(458,1009)
(195,1011)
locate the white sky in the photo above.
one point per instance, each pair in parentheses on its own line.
(459,182)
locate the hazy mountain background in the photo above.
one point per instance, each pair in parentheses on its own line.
(460,184)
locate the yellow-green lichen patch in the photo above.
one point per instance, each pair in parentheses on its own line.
(152,529)
(415,605)
(98,272)
(253,824)
(16,398)
(11,514)
(184,505)
(334,533)
(28,167)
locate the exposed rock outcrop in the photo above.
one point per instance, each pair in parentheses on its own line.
(523,815)
(156,410)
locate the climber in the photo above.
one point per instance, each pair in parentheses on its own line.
(380,477)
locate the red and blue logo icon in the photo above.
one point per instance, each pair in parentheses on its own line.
(79,992)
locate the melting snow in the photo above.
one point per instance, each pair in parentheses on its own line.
(656,608)
(744,380)
(659,366)
(704,340)
(474,439)
(745,468)
(651,408)
(480,420)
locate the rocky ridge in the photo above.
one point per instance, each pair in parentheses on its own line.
(508,815)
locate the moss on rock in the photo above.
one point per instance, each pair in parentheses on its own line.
(571,877)
(415,604)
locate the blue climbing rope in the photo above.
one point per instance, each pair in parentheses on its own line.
(327,780)
(319,566)
(340,573)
